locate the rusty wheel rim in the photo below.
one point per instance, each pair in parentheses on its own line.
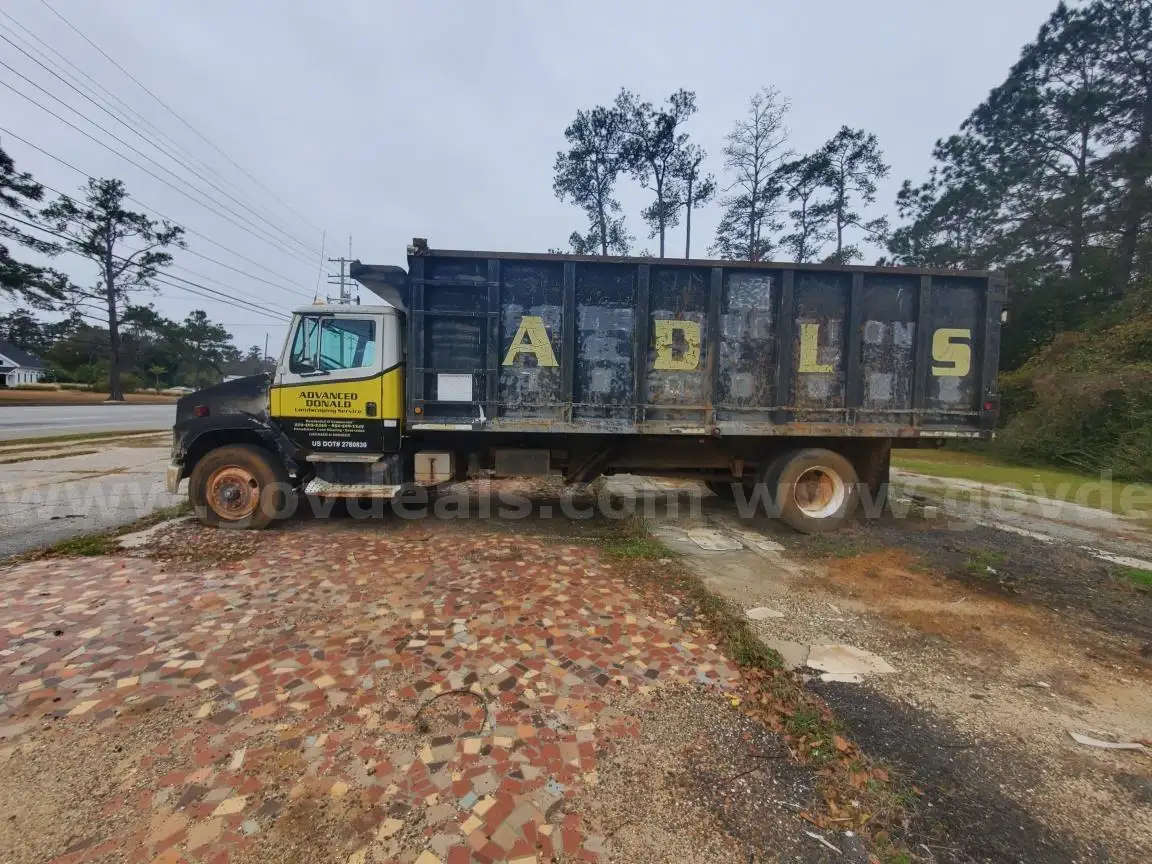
(819,492)
(233,493)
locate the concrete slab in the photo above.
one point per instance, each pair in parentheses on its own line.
(843,677)
(847,660)
(137,539)
(794,654)
(763,613)
(714,541)
(55,499)
(758,541)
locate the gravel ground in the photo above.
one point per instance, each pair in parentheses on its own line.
(993,670)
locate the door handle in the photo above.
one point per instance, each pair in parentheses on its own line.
(370,409)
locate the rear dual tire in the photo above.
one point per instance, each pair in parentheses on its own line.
(816,490)
(813,490)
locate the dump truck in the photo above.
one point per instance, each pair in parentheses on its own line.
(798,379)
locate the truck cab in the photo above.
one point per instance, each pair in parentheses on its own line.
(327,422)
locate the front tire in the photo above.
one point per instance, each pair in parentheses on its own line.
(238,487)
(816,490)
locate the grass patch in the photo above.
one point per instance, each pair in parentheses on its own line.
(634,541)
(57,396)
(84,545)
(33,457)
(637,547)
(83,436)
(981,562)
(1099,492)
(1137,578)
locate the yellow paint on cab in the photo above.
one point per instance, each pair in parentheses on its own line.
(341,399)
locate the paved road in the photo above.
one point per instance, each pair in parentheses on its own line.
(17,421)
(44,501)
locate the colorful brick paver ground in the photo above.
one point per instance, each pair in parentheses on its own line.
(427,693)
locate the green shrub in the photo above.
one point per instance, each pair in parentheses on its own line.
(1085,401)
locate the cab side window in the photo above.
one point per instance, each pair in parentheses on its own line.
(347,343)
(327,344)
(305,346)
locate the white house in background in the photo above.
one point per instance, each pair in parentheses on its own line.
(18,367)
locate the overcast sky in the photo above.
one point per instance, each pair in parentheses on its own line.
(388,120)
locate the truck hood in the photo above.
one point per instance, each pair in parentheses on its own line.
(247,396)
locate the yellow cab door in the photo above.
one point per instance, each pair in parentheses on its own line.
(338,386)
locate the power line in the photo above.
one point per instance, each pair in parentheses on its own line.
(221,284)
(270,240)
(172,111)
(108,94)
(140,203)
(250,275)
(131,128)
(194,252)
(254,228)
(219,297)
(224,298)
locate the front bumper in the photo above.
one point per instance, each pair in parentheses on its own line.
(172,477)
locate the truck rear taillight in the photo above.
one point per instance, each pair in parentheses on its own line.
(201,411)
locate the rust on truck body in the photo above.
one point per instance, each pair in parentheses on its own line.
(561,344)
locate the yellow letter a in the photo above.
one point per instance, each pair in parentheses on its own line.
(531,338)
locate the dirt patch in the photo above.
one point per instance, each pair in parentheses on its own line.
(1056,576)
(188,544)
(961,811)
(1002,645)
(968,617)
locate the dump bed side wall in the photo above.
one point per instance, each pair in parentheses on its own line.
(545,343)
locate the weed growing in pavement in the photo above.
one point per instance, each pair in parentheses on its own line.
(634,548)
(85,545)
(105,542)
(633,541)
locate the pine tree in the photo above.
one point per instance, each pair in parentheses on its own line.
(752,154)
(698,188)
(802,181)
(656,151)
(587,173)
(41,287)
(850,164)
(98,228)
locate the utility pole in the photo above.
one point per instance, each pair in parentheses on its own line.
(342,279)
(264,359)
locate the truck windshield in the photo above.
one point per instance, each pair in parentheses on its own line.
(326,344)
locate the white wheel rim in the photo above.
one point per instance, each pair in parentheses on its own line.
(819,492)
